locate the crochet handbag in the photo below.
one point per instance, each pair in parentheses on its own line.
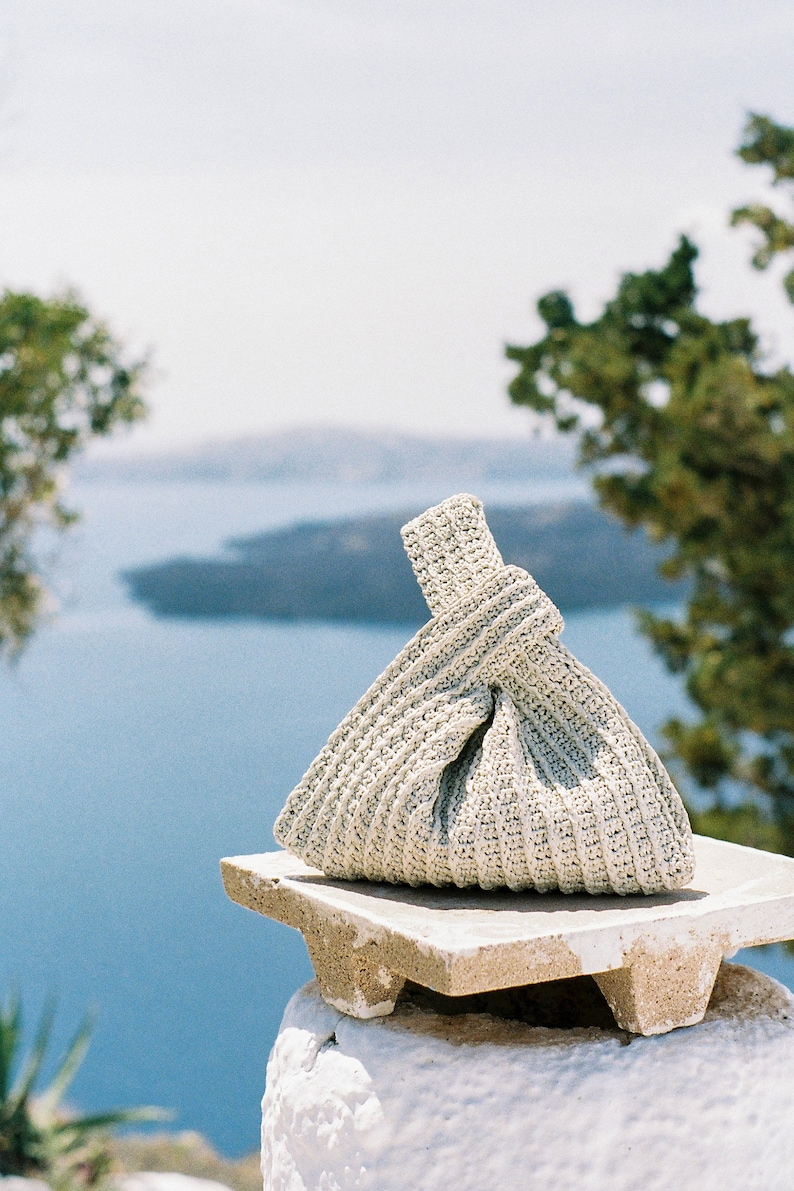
(486,754)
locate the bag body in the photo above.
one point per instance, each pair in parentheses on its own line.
(486,754)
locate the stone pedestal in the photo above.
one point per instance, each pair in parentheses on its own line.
(654,958)
(532,1089)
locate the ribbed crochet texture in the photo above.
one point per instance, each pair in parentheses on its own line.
(486,754)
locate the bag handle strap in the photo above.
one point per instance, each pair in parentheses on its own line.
(452,550)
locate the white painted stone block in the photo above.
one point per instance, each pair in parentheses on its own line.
(13,1182)
(145,1180)
(157,1180)
(425,1101)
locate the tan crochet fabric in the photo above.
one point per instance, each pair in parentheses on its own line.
(486,754)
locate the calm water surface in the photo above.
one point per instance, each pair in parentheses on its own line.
(137,752)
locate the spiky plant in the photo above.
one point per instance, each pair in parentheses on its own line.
(39,1138)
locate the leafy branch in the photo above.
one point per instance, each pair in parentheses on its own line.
(63,381)
(688,436)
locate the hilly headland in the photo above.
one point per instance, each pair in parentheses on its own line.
(356,570)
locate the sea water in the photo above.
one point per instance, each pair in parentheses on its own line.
(137,752)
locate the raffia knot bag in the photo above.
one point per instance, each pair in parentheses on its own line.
(486,754)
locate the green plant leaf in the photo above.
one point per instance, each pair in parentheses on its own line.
(69,1065)
(32,1065)
(106,1120)
(10,1025)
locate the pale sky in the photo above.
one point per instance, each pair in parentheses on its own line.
(339,210)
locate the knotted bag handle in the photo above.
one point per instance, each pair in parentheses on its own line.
(453,552)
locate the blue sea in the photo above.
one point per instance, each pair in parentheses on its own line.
(137,752)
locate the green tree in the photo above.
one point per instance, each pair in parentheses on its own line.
(770,144)
(690,436)
(63,381)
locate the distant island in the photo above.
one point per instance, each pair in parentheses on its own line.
(356,570)
(334,454)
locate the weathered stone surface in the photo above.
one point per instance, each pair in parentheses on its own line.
(425,1099)
(158,1180)
(15,1182)
(145,1180)
(655,957)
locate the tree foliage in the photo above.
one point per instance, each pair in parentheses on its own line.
(690,436)
(770,144)
(62,382)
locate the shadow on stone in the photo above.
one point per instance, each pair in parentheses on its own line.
(575,1003)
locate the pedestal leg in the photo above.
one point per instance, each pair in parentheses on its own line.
(352,981)
(659,991)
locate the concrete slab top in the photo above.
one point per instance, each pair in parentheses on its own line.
(365,939)
(747,893)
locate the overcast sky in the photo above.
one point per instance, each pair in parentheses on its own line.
(339,210)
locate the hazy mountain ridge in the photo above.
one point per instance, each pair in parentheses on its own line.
(336,454)
(356,570)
